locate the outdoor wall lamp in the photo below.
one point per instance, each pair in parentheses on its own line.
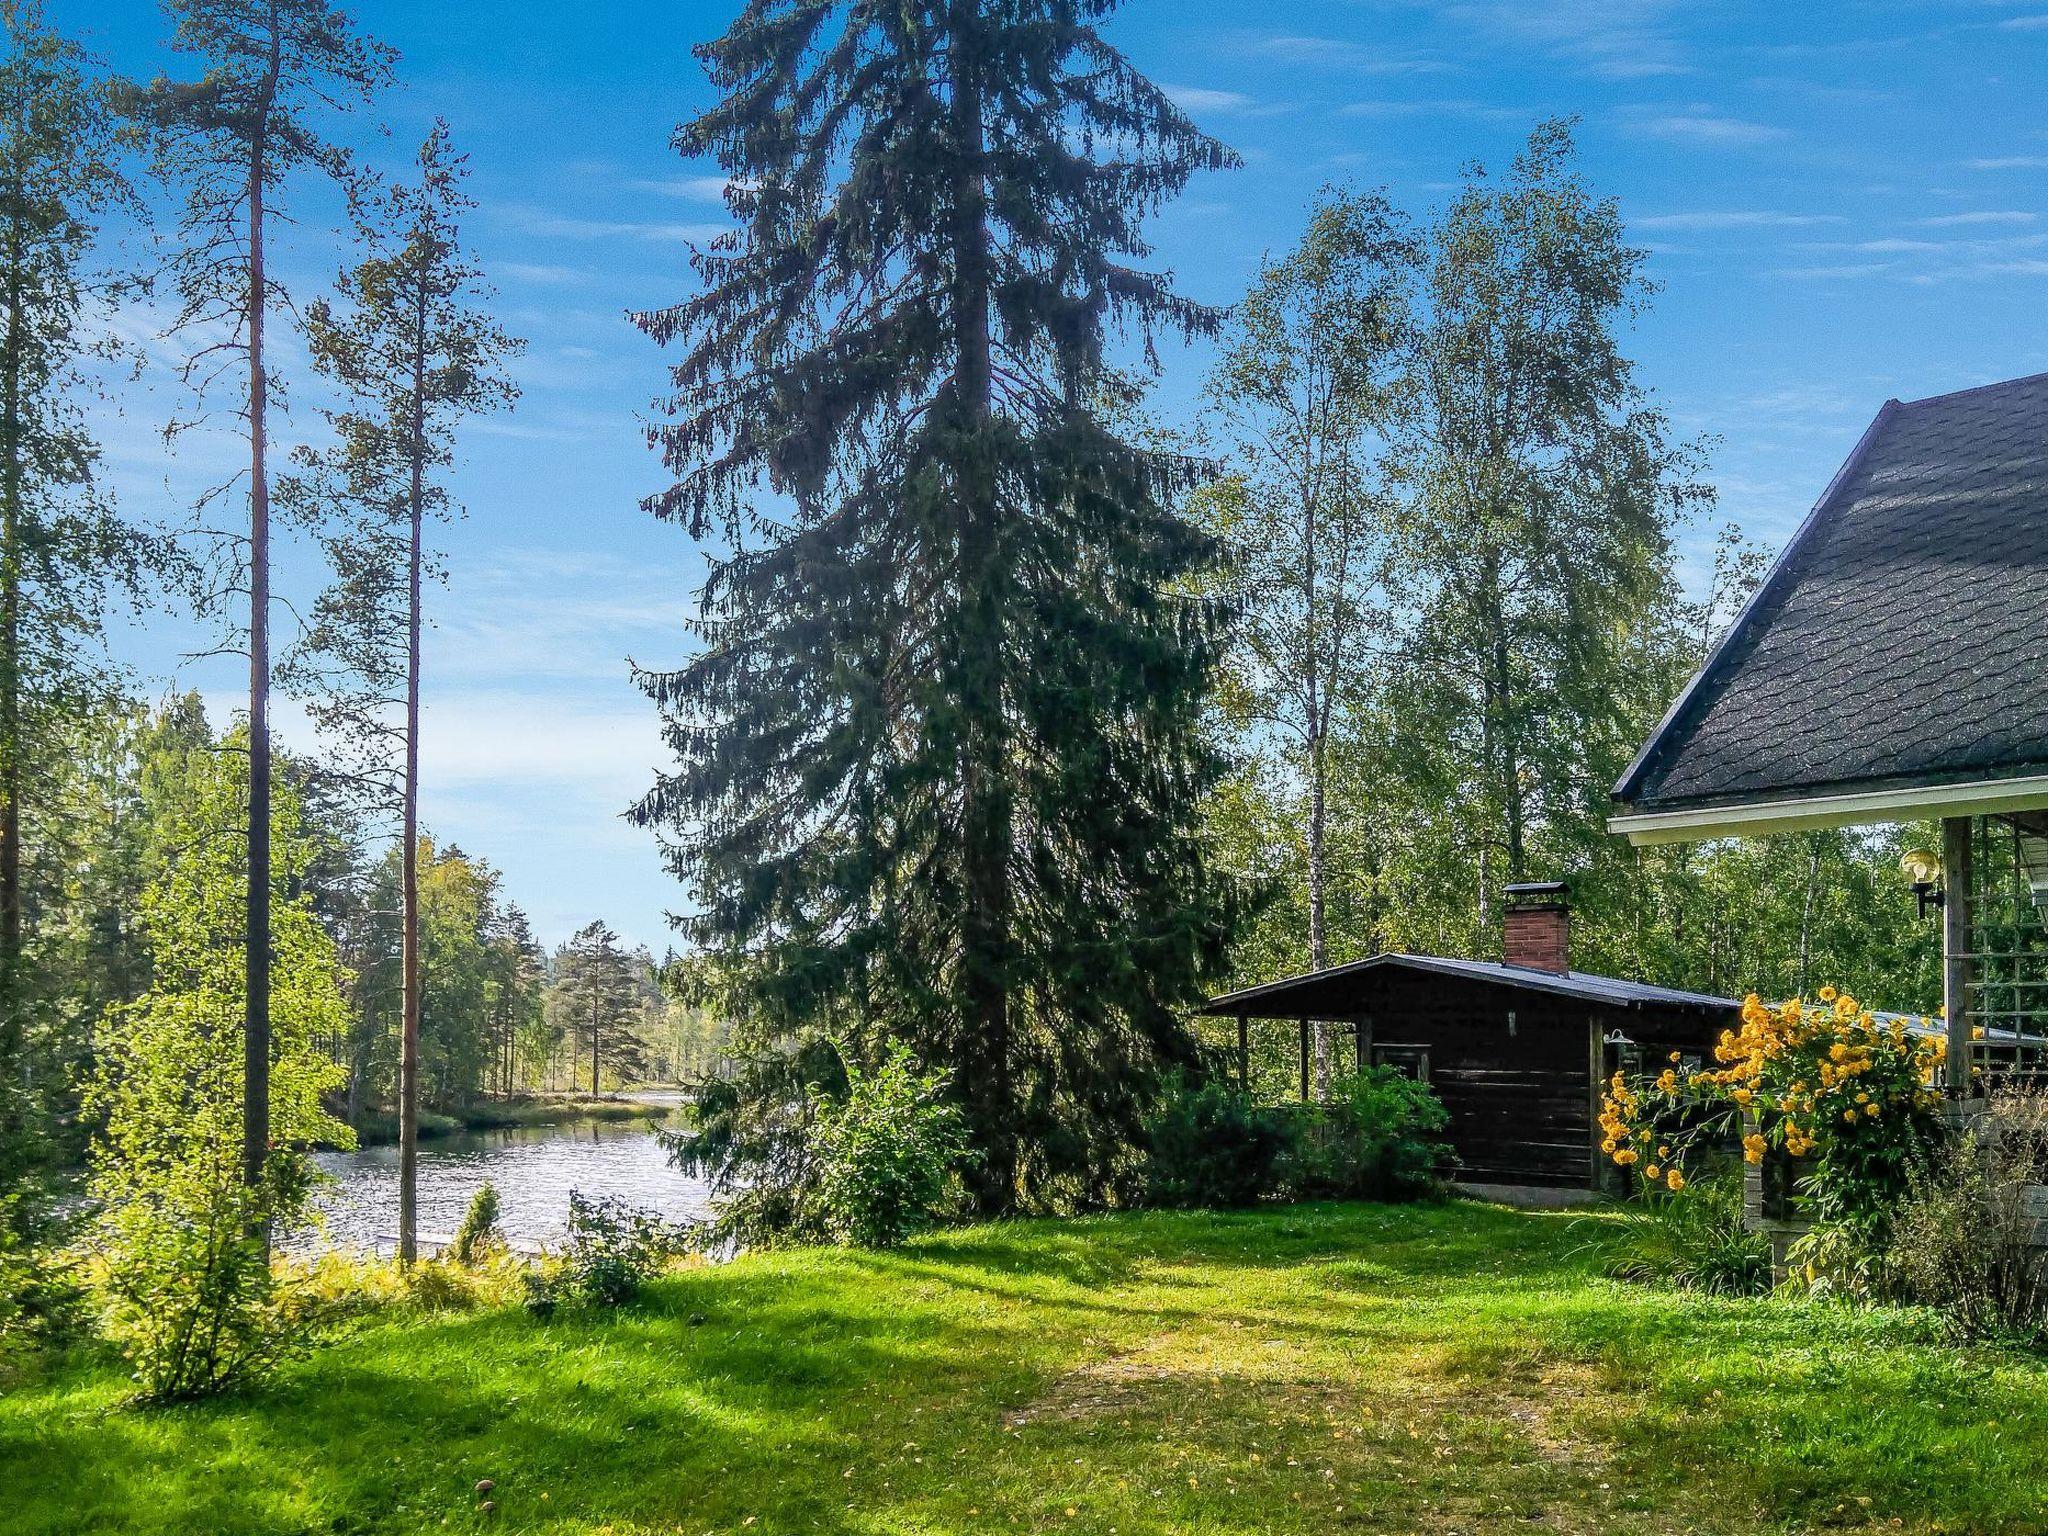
(1924,870)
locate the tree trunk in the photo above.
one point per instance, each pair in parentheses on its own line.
(985,805)
(256,933)
(13,1025)
(1318,898)
(409,963)
(593,1046)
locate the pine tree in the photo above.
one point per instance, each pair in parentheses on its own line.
(234,137)
(416,353)
(597,998)
(939,758)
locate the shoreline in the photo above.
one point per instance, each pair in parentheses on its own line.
(382,1129)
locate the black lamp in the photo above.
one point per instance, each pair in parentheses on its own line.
(1924,870)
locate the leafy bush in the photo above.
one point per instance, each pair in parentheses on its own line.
(1961,1241)
(1208,1145)
(1694,1239)
(1374,1138)
(41,1301)
(614,1249)
(886,1152)
(1825,1081)
(188,1289)
(478,1235)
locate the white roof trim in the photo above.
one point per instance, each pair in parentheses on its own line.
(1764,818)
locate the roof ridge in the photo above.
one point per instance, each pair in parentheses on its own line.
(1767,591)
(1974,389)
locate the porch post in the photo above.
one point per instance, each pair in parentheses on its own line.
(1304,1061)
(1957,879)
(1244,1053)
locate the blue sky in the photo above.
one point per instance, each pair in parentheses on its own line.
(1843,202)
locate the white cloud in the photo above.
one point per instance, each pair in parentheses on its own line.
(2024,23)
(1617,39)
(1704,127)
(1989,216)
(1214,103)
(701,189)
(1733,218)
(538,272)
(1427,108)
(1339,53)
(2011,163)
(535,221)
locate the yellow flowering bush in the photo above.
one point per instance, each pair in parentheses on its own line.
(1825,1081)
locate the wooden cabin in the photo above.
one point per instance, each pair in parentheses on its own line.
(1517,1050)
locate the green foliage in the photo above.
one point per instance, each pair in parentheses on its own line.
(187,1284)
(597,1001)
(1963,1239)
(41,1299)
(1694,1240)
(1373,1139)
(939,759)
(889,1151)
(1207,1144)
(478,1235)
(752,1135)
(614,1249)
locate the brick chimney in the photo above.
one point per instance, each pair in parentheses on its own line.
(1539,927)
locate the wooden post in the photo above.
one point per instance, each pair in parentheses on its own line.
(1304,1061)
(1361,1045)
(1244,1053)
(1957,872)
(1596,1073)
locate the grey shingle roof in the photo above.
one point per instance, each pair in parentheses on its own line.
(1902,638)
(1332,986)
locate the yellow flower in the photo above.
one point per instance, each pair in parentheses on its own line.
(1674,1180)
(1625,1156)
(1753,1148)
(1827,994)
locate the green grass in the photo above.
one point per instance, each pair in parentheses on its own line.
(1325,1368)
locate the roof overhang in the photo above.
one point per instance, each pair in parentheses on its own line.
(1844,808)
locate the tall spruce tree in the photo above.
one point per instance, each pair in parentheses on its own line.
(416,353)
(939,758)
(596,998)
(234,137)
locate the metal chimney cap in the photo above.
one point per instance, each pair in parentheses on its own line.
(1536,888)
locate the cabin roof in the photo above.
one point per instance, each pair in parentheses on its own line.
(1338,988)
(1899,640)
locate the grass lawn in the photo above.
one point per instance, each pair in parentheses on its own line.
(1318,1369)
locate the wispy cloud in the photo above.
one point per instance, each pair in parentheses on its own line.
(1617,39)
(536,221)
(1434,107)
(1988,216)
(1202,100)
(700,189)
(1340,53)
(1734,218)
(2010,163)
(2024,23)
(538,272)
(1704,127)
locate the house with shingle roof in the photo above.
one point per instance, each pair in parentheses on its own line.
(1893,667)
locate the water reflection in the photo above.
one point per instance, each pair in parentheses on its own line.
(533,1167)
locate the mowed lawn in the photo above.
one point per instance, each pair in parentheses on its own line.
(1456,1368)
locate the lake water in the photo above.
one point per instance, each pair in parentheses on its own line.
(534,1168)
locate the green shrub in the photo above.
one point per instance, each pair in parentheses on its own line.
(886,1152)
(1208,1145)
(1961,1239)
(614,1249)
(1374,1138)
(1693,1239)
(41,1301)
(478,1235)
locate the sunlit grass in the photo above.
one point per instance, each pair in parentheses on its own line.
(1453,1368)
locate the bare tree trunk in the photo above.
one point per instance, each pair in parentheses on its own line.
(13,1027)
(1806,913)
(593,1045)
(256,934)
(409,963)
(1318,897)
